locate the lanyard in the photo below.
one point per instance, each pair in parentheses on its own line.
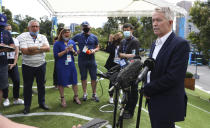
(86,40)
(2,53)
(125,45)
(2,37)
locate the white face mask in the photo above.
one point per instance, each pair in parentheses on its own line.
(66,39)
(127,34)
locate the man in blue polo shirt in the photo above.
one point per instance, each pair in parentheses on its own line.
(88,45)
(5,40)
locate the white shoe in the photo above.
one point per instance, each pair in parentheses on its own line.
(111,100)
(18,101)
(6,103)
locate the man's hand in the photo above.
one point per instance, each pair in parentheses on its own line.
(31,49)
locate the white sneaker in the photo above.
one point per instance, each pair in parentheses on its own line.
(18,101)
(6,103)
(111,100)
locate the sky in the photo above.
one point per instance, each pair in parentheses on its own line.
(34,9)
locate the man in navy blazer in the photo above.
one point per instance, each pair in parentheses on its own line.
(164,89)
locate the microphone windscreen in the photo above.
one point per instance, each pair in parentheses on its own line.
(129,73)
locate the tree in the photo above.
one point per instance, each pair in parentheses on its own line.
(145,32)
(200,16)
(23,22)
(8,14)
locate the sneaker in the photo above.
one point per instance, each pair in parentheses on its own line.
(84,98)
(6,103)
(18,101)
(95,98)
(111,100)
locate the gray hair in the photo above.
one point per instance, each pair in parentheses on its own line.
(168,13)
(32,21)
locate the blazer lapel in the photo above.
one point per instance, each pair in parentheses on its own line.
(165,45)
(152,49)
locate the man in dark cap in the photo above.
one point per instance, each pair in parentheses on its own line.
(5,40)
(88,45)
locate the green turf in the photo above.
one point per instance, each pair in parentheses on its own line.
(196,118)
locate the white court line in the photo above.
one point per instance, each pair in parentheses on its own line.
(201,88)
(199,108)
(55,114)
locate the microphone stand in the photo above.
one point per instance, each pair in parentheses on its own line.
(115,105)
(141,91)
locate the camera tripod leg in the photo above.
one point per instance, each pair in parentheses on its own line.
(120,120)
(139,109)
(115,106)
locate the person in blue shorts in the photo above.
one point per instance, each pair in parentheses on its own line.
(88,46)
(64,51)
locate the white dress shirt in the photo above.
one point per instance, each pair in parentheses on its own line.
(158,45)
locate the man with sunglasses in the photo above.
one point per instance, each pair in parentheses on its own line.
(33,47)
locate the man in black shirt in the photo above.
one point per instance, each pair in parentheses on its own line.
(129,48)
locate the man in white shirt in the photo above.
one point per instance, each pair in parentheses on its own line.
(33,47)
(164,89)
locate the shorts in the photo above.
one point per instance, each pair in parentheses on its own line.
(85,66)
(3,76)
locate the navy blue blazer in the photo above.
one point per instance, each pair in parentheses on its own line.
(166,90)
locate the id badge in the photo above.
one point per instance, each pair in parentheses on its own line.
(122,62)
(66,62)
(69,58)
(84,49)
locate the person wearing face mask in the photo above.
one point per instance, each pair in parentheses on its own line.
(88,46)
(13,73)
(113,59)
(64,51)
(129,48)
(5,40)
(33,47)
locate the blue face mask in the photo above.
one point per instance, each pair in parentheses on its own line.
(127,34)
(34,33)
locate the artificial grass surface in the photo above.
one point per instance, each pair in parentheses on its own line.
(196,118)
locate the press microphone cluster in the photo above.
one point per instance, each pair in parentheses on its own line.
(148,65)
(129,74)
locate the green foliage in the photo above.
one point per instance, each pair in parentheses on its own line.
(145,31)
(8,13)
(189,75)
(200,16)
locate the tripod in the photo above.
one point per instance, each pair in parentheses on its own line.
(141,91)
(123,103)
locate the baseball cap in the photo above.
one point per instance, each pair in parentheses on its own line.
(85,23)
(3,20)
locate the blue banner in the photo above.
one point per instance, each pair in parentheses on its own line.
(54,26)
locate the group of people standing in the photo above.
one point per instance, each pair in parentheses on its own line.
(164,84)
(64,51)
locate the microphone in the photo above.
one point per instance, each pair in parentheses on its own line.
(128,74)
(149,64)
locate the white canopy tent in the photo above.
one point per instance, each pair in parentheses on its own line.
(109,8)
